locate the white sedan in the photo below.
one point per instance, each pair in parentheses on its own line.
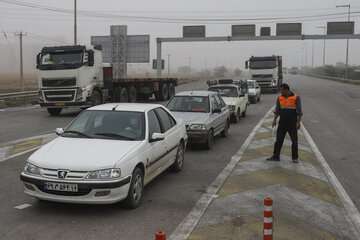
(107,154)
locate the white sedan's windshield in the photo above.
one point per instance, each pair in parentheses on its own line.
(122,125)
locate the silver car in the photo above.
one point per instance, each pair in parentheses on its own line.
(204,113)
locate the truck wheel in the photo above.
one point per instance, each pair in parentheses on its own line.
(124,96)
(96,98)
(164,92)
(54,111)
(132,94)
(171,90)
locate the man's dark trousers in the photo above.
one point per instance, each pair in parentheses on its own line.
(283,128)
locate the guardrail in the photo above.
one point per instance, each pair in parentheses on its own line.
(351,81)
(4,96)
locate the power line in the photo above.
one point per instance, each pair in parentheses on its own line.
(96,14)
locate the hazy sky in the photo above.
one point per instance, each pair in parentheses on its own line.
(53,28)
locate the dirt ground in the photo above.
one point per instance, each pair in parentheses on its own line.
(11,82)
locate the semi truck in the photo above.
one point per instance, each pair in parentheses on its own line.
(75,76)
(267,71)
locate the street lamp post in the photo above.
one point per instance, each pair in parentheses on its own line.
(324,45)
(348,6)
(75,22)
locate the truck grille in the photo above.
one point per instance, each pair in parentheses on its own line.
(60,95)
(59,82)
(260,76)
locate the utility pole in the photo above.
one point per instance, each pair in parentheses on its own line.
(21,35)
(312,54)
(348,6)
(169,65)
(75,22)
(324,46)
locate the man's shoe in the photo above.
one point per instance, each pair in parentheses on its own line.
(273,159)
(295,160)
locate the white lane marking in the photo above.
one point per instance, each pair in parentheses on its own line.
(23,206)
(17,109)
(352,212)
(314,121)
(189,223)
(5,147)
(357,110)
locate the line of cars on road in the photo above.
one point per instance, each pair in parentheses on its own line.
(111,151)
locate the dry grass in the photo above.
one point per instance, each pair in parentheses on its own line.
(11,82)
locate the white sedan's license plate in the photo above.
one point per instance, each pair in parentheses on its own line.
(63,187)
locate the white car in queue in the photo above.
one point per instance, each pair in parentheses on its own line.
(107,154)
(234,94)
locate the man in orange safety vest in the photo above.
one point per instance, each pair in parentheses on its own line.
(288,108)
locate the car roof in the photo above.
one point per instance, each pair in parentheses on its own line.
(131,107)
(197,93)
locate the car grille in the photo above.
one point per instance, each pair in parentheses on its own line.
(71,175)
(59,82)
(60,95)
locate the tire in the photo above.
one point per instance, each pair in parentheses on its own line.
(210,140)
(132,94)
(124,96)
(244,112)
(164,92)
(237,116)
(96,98)
(180,157)
(54,111)
(225,132)
(171,90)
(136,189)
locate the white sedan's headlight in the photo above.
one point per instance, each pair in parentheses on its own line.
(105,174)
(31,169)
(197,127)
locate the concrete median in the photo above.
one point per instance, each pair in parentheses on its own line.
(307,202)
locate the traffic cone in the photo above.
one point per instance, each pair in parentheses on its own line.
(160,235)
(268,219)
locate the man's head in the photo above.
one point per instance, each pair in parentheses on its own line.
(285,89)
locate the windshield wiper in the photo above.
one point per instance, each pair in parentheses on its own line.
(115,135)
(78,133)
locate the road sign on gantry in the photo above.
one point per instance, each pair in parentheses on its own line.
(265,31)
(194,31)
(154,63)
(243,30)
(288,29)
(340,28)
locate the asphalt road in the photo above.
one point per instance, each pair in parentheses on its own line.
(167,200)
(332,116)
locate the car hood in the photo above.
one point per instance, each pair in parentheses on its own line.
(82,154)
(229,100)
(191,117)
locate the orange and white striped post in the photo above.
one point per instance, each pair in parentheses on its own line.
(160,235)
(268,219)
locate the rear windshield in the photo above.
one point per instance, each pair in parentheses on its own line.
(225,91)
(189,104)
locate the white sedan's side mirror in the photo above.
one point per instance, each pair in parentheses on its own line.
(156,137)
(59,131)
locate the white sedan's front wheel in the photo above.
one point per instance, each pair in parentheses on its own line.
(180,157)
(135,194)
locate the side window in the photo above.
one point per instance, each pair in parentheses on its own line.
(218,102)
(213,103)
(166,120)
(153,122)
(223,104)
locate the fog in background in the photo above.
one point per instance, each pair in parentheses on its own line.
(44,28)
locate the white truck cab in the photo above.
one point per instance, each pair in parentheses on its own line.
(69,76)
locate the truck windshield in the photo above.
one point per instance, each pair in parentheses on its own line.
(251,84)
(189,104)
(62,58)
(225,91)
(262,64)
(117,125)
